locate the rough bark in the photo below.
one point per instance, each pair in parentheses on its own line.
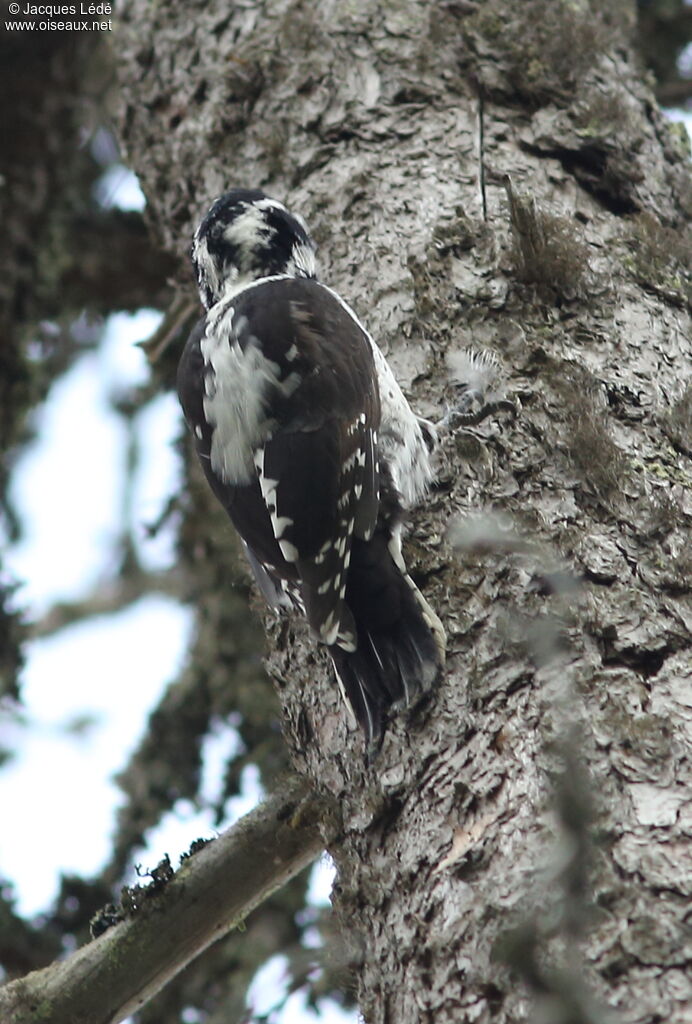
(374,120)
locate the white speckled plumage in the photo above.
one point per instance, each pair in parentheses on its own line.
(312,447)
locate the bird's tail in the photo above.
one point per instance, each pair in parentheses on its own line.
(400,641)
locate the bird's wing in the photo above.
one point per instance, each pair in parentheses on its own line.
(309,440)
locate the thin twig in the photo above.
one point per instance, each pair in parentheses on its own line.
(107,599)
(481,151)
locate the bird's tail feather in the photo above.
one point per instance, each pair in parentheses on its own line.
(394,664)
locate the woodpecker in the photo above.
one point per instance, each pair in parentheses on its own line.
(311,447)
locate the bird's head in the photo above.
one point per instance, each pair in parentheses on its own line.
(244,237)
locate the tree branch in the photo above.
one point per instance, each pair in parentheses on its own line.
(213,891)
(674,92)
(108,598)
(110,263)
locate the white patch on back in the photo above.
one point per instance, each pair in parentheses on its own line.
(234,405)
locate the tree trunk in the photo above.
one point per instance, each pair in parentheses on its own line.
(523,835)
